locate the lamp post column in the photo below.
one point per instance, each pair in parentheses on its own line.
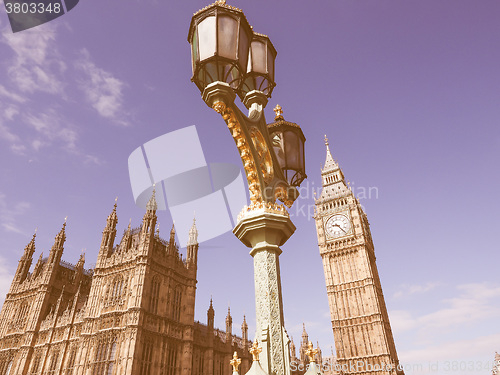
(265,227)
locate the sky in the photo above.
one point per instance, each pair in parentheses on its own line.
(408,93)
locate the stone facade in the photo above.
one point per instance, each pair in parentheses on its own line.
(132,314)
(361,328)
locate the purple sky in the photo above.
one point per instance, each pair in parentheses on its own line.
(408,93)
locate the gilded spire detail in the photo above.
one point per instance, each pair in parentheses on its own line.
(311,352)
(235,362)
(255,350)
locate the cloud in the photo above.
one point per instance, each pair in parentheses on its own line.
(465,350)
(408,289)
(103,91)
(37,64)
(10,213)
(11,95)
(51,127)
(474,303)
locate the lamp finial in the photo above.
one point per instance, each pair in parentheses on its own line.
(279,112)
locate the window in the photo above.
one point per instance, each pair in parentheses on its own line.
(147,356)
(176,306)
(53,363)
(171,358)
(104,359)
(36,365)
(116,291)
(71,362)
(155,296)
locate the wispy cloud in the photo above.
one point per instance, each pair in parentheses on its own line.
(51,127)
(407,289)
(103,91)
(11,95)
(475,302)
(9,213)
(37,65)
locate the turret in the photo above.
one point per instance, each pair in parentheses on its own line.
(58,247)
(303,344)
(149,219)
(244,332)
(171,248)
(192,246)
(293,352)
(25,261)
(108,235)
(79,268)
(38,267)
(319,356)
(210,316)
(229,327)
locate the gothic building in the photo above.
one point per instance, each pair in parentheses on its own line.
(132,314)
(361,328)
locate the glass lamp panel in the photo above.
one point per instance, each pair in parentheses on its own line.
(258,57)
(207,37)
(243,48)
(277,139)
(195,57)
(271,57)
(227,36)
(292,150)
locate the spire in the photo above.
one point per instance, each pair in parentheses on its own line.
(57,248)
(113,217)
(334,185)
(171,242)
(109,233)
(193,234)
(305,336)
(210,315)
(152,206)
(330,163)
(81,261)
(244,331)
(30,247)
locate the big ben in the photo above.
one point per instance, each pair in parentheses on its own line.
(361,328)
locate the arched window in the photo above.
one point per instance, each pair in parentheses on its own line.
(155,295)
(177,304)
(116,291)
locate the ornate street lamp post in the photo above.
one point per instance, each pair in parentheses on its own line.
(229,59)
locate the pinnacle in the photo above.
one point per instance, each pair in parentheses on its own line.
(152,205)
(330,163)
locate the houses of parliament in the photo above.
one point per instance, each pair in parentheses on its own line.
(132,314)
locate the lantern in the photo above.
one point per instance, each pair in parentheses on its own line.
(288,144)
(219,36)
(260,70)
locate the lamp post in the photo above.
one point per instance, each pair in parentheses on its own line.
(229,59)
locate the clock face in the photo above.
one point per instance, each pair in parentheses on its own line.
(338,226)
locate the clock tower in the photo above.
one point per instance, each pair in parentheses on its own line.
(361,328)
